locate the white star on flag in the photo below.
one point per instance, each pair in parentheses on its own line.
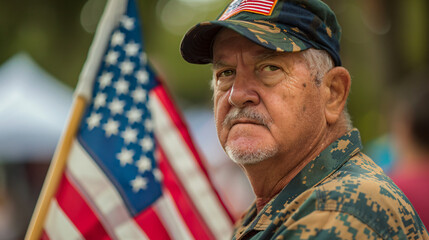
(146,143)
(139,95)
(158,174)
(139,183)
(122,86)
(125,156)
(134,115)
(111,127)
(100,100)
(144,164)
(129,135)
(116,106)
(105,79)
(94,120)
(118,38)
(148,125)
(126,67)
(142,76)
(127,22)
(112,57)
(131,49)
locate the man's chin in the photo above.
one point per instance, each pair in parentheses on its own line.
(246,157)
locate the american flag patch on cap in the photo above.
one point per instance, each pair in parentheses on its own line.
(264,7)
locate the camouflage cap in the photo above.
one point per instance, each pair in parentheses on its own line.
(280,25)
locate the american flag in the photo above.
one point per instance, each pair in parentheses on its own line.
(132,171)
(264,7)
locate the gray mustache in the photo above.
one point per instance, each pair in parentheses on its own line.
(246,113)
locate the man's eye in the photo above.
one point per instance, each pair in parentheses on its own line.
(270,68)
(225,79)
(226,73)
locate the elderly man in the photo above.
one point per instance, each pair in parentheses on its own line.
(279,102)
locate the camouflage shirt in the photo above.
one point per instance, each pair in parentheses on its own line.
(342,194)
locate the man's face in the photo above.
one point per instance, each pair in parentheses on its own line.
(266,104)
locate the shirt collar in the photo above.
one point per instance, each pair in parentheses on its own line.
(325,164)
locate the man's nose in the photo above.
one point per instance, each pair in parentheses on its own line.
(244,91)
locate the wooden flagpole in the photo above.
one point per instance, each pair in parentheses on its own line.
(55,171)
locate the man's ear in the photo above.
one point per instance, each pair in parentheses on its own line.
(336,83)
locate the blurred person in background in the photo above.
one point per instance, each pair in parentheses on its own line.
(411,139)
(280,96)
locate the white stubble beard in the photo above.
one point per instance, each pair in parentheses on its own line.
(249,154)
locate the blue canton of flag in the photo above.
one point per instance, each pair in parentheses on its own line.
(117,128)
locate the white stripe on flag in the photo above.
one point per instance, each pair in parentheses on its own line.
(58,225)
(191,177)
(259,8)
(106,201)
(169,215)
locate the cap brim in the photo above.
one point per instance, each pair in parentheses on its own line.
(196,46)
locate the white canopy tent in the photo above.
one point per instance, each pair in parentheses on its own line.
(33,110)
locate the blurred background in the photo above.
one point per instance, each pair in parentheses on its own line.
(43,45)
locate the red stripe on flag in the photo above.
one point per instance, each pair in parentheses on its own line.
(44,236)
(176,118)
(183,202)
(75,207)
(169,106)
(150,223)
